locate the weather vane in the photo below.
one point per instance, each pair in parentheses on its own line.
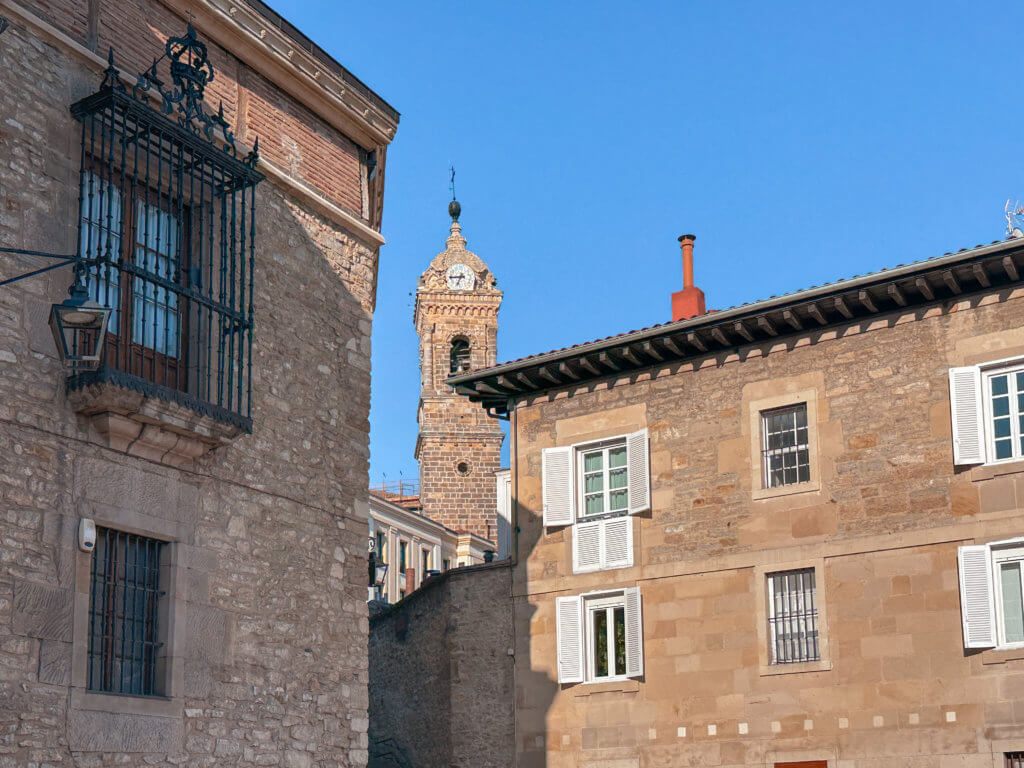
(454,209)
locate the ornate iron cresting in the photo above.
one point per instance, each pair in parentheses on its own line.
(167,236)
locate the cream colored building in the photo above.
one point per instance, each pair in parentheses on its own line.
(414,547)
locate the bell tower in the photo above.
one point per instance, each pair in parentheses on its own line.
(459,445)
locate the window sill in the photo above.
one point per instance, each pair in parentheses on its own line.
(994,469)
(125,705)
(1002,655)
(769,670)
(621,686)
(810,486)
(146,425)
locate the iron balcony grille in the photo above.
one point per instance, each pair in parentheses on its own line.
(124,636)
(793,617)
(167,238)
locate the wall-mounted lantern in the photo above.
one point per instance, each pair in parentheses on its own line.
(378,571)
(79,327)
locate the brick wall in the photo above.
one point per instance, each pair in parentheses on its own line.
(882,524)
(441,675)
(268,534)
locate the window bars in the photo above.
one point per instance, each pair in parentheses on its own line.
(793,617)
(124,592)
(786,458)
(167,237)
(1014,759)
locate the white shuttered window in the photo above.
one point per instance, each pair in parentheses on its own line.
(986,405)
(600,636)
(595,487)
(992,594)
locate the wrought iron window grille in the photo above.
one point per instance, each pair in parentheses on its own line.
(167,235)
(124,625)
(793,617)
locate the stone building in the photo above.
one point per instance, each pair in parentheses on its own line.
(788,533)
(459,446)
(215,456)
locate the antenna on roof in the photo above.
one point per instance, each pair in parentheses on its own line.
(1014,220)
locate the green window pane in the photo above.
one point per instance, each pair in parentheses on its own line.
(617,457)
(1000,406)
(999,385)
(592,461)
(617,478)
(594,505)
(593,483)
(1013,604)
(620,641)
(1002,427)
(1020,381)
(1004,449)
(600,643)
(618,501)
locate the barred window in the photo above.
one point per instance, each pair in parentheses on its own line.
(1015,760)
(124,614)
(793,616)
(786,456)
(166,235)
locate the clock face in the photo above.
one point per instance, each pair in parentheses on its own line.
(460,277)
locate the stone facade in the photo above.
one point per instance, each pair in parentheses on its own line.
(264,580)
(880,520)
(441,674)
(459,446)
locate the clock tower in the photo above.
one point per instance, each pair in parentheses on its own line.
(459,445)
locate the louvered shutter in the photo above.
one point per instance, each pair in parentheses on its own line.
(558,485)
(618,542)
(968,422)
(569,638)
(977,604)
(586,546)
(639,474)
(634,634)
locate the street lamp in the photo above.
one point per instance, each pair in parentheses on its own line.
(79,326)
(378,570)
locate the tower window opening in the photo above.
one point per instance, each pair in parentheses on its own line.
(459,357)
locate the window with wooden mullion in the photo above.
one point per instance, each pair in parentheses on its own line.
(605,486)
(1005,409)
(606,638)
(147,330)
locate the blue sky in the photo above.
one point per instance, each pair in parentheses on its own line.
(800,141)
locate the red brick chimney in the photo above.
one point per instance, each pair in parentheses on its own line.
(688,302)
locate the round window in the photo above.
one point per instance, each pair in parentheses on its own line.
(462,468)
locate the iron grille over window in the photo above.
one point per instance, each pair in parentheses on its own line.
(124,591)
(785,449)
(167,237)
(793,616)
(1015,760)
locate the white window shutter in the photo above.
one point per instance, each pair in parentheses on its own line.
(639,473)
(977,603)
(634,634)
(587,543)
(618,542)
(558,486)
(569,638)
(968,423)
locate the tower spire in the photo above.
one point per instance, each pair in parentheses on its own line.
(454,209)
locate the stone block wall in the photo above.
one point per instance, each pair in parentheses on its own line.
(266,579)
(441,676)
(881,522)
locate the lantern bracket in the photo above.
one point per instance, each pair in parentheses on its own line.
(64,260)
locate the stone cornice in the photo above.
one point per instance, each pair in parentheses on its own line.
(246,34)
